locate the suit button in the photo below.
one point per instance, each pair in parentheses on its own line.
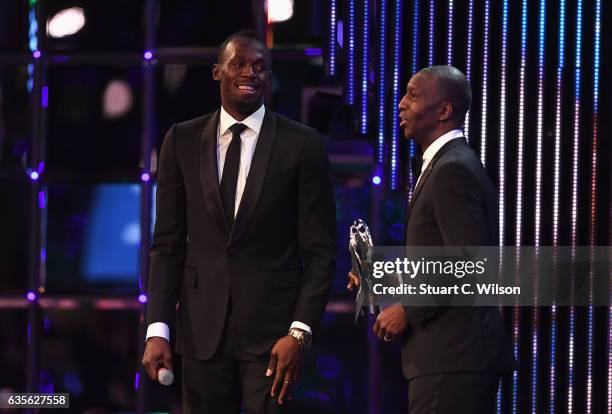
(231,251)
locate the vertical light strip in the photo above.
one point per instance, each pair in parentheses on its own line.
(350,93)
(519,192)
(382,77)
(593,221)
(365,58)
(468,63)
(521,126)
(415,38)
(502,125)
(535,316)
(413,69)
(33,27)
(556,192)
(502,151)
(574,211)
(331,52)
(397,67)
(449,40)
(432,32)
(540,122)
(558,106)
(485,85)
(32,42)
(576,139)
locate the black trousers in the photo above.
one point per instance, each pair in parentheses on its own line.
(231,382)
(453,393)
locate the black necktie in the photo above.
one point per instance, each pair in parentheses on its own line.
(229,179)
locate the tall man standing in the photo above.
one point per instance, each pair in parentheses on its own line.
(244,241)
(452,357)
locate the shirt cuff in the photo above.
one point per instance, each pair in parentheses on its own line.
(158,329)
(302,326)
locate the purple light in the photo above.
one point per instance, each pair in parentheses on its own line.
(41,199)
(142,298)
(45,382)
(312,51)
(34,175)
(148,55)
(328,366)
(45,97)
(376,180)
(145,177)
(31,296)
(36,54)
(136,380)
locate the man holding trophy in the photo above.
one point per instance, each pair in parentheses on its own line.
(453,357)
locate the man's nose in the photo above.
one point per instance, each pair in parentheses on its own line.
(402,104)
(248,70)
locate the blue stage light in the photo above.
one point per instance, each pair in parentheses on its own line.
(396,87)
(382,84)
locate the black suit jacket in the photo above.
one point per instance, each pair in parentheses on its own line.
(454,204)
(276,263)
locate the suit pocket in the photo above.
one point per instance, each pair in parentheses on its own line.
(286,278)
(190,277)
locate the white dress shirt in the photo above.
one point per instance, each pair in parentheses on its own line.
(435,146)
(249,140)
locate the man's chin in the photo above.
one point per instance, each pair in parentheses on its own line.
(406,133)
(248,105)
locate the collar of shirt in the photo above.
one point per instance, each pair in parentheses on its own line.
(253,121)
(435,146)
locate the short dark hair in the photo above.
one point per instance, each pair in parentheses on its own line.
(247,36)
(454,87)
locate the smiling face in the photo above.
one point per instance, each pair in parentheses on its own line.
(244,75)
(424,115)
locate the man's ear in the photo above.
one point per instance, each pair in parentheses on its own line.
(216,71)
(446,111)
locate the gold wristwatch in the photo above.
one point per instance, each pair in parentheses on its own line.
(303,337)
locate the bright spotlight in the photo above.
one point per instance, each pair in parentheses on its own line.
(66,22)
(279,10)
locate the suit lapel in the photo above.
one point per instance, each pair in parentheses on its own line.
(257,174)
(209,177)
(451,144)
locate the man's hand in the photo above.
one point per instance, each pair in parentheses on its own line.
(353,281)
(285,360)
(157,353)
(390,323)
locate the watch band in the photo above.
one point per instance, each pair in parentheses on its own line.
(303,337)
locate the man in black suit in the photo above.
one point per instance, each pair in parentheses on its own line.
(453,357)
(244,242)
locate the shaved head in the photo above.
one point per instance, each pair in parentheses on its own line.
(453,87)
(243,36)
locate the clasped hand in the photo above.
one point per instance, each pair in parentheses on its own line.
(391,322)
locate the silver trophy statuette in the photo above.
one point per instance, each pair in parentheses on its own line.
(361,249)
